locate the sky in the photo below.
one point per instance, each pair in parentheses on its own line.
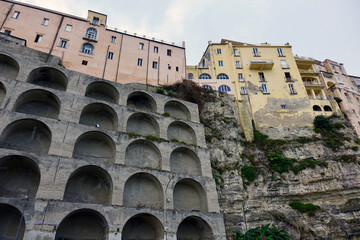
(315,28)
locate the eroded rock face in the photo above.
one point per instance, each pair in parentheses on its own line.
(335,188)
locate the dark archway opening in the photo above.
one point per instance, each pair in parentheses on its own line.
(9,222)
(141,101)
(48,77)
(194,228)
(100,115)
(102,91)
(143,227)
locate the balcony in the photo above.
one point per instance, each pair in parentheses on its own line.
(313,84)
(290,80)
(308,72)
(304,63)
(261,64)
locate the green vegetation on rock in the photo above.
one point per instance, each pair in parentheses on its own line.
(263,232)
(248,172)
(308,208)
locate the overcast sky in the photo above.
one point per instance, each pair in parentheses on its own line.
(315,28)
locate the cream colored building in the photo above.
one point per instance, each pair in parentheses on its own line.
(88,45)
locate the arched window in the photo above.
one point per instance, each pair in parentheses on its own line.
(317,108)
(87,48)
(327,108)
(190,76)
(204,76)
(91,33)
(224,88)
(207,87)
(222,76)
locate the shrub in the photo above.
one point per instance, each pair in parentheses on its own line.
(235,124)
(331,144)
(263,232)
(160,91)
(307,163)
(248,172)
(133,135)
(166,114)
(303,139)
(357,141)
(174,140)
(308,208)
(322,122)
(258,136)
(170,94)
(217,136)
(355,148)
(153,138)
(339,125)
(279,163)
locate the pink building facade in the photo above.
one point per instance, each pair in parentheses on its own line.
(88,46)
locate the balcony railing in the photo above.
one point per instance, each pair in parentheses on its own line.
(261,64)
(313,84)
(308,71)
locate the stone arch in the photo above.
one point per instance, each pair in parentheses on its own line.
(95,145)
(38,102)
(9,222)
(190,76)
(102,91)
(317,108)
(185,161)
(89,184)
(18,176)
(204,76)
(100,115)
(9,67)
(194,227)
(178,110)
(141,101)
(327,108)
(143,190)
(182,132)
(143,226)
(27,135)
(82,224)
(144,154)
(189,195)
(48,77)
(142,123)
(2,92)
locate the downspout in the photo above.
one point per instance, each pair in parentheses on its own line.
(53,44)
(158,80)
(117,68)
(147,66)
(186,76)
(106,58)
(7,14)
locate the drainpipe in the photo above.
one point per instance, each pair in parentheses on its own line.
(53,44)
(158,80)
(26,198)
(165,200)
(7,14)
(106,57)
(147,66)
(117,68)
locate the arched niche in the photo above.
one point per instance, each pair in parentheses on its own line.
(144,154)
(143,190)
(9,222)
(194,227)
(89,184)
(82,224)
(177,110)
(18,175)
(189,195)
(102,91)
(185,161)
(143,124)
(182,132)
(142,227)
(2,93)
(27,135)
(101,115)
(38,102)
(48,77)
(141,101)
(9,68)
(327,108)
(95,145)
(316,108)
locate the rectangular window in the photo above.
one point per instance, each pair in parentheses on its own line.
(256,52)
(339,79)
(288,76)
(240,77)
(218,51)
(38,38)
(68,28)
(141,46)
(155,65)
(84,62)
(45,22)
(237,64)
(283,106)
(169,52)
(221,63)
(16,14)
(177,69)
(95,21)
(264,88)
(243,90)
(139,62)
(156,49)
(279,50)
(236,53)
(284,64)
(7,32)
(63,43)
(291,88)
(261,77)
(110,55)
(169,67)
(334,68)
(113,39)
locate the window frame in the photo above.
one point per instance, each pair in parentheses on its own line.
(7,32)
(110,55)
(91,33)
(139,62)
(95,21)
(155,65)
(218,51)
(225,87)
(240,77)
(204,74)
(261,77)
(45,22)
(38,38)
(236,52)
(156,49)
(68,27)
(237,64)
(113,39)
(284,64)
(222,76)
(292,89)
(264,89)
(63,43)
(86,50)
(169,52)
(221,63)
(16,14)
(280,52)
(243,90)
(256,52)
(141,46)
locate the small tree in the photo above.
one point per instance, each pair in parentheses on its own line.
(322,122)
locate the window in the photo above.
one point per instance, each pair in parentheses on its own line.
(224,88)
(155,65)
(210,88)
(261,77)
(169,67)
(84,62)
(236,53)
(113,39)
(45,22)
(68,28)
(339,79)
(141,46)
(221,63)
(204,76)
(16,14)
(283,64)
(264,88)
(334,68)
(156,49)
(177,69)
(110,55)
(139,62)
(256,53)
(237,64)
(218,51)
(283,106)
(63,43)
(240,77)
(222,76)
(190,76)
(243,90)
(7,32)
(87,48)
(95,21)
(291,88)
(38,38)
(287,76)
(279,50)
(169,52)
(91,33)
